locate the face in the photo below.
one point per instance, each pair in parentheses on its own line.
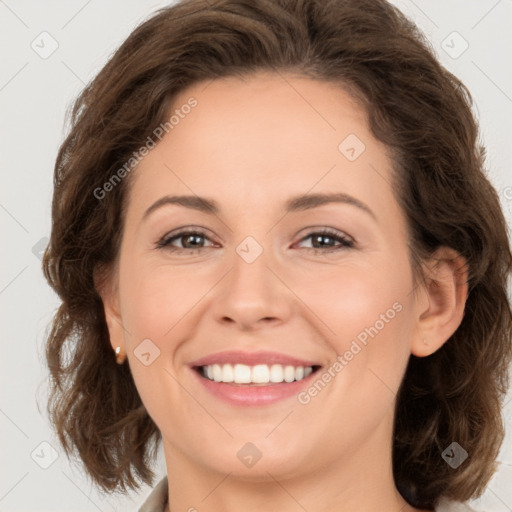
(301,262)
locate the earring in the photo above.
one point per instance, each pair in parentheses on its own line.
(119,357)
(425,341)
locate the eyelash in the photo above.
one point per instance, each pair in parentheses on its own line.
(346,243)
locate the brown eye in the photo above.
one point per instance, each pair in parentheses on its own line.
(323,241)
(326,241)
(190,240)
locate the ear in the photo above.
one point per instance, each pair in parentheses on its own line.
(106,284)
(443,298)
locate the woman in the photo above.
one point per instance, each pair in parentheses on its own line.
(274,215)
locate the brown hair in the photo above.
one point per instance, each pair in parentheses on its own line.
(415,106)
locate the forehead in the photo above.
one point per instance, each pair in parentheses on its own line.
(256,137)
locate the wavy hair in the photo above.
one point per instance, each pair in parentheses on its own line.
(415,106)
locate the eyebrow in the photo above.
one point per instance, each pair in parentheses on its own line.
(294,204)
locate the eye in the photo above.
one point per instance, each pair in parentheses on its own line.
(191,240)
(325,239)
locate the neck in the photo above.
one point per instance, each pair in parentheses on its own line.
(314,496)
(360,481)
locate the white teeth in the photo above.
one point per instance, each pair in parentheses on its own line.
(289,373)
(258,374)
(276,373)
(227,373)
(242,374)
(217,373)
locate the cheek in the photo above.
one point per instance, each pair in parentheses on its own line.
(156,298)
(155,303)
(349,299)
(365,314)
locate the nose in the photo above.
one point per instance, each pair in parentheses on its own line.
(253,295)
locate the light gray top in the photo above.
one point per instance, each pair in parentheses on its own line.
(157,499)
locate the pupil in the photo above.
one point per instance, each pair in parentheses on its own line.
(193,237)
(324,237)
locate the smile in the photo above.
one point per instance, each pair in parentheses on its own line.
(261,378)
(260,374)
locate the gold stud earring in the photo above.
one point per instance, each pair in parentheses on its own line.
(119,357)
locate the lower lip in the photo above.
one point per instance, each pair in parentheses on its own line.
(245,394)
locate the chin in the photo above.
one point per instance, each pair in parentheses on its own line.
(259,460)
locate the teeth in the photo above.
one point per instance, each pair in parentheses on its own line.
(242,374)
(276,373)
(258,374)
(217,373)
(227,373)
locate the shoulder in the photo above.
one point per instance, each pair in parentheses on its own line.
(446,505)
(157,498)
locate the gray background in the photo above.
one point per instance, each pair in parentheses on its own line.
(35,90)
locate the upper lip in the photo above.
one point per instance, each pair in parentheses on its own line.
(251,358)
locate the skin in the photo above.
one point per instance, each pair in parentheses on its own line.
(250,144)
